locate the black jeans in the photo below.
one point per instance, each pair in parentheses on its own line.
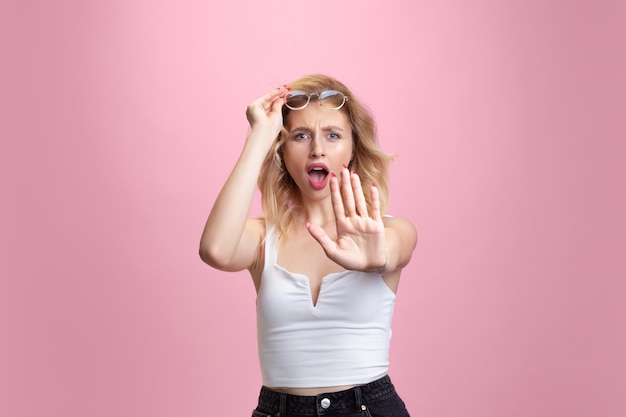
(376,399)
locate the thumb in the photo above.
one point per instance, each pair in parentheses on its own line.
(322,237)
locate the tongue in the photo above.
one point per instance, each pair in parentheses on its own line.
(318,179)
(317,176)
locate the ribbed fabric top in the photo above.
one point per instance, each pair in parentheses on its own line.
(342,340)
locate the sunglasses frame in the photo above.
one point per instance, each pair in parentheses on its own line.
(320,97)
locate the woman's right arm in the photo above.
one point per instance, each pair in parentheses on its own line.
(230,240)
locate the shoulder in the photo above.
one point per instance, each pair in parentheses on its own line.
(403,228)
(399,223)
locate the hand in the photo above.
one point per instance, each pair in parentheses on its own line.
(360,241)
(266,111)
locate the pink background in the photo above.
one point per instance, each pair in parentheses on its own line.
(121,119)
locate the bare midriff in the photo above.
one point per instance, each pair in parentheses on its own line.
(311,391)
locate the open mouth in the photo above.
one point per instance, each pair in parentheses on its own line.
(318,176)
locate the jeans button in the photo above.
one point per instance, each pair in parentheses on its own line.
(325,403)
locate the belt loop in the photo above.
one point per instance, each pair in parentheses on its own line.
(358,399)
(283,405)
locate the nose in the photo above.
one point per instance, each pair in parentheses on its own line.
(317,146)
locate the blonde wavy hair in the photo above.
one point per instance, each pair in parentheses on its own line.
(280,196)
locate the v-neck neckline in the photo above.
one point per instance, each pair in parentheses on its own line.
(303,278)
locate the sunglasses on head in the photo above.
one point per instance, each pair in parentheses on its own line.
(329,99)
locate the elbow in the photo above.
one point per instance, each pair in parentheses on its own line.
(204,255)
(213,256)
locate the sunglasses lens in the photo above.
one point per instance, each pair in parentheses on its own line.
(297,100)
(332,99)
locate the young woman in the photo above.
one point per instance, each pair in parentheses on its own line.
(325,261)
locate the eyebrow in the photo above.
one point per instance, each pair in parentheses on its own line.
(324,129)
(328,128)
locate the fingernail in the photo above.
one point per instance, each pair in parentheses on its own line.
(373,185)
(353,171)
(333,174)
(344,166)
(308,224)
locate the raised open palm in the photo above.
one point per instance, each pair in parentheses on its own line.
(360,243)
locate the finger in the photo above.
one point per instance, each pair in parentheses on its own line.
(271,102)
(277,104)
(375,214)
(278,91)
(267,100)
(359,197)
(347,193)
(335,196)
(322,238)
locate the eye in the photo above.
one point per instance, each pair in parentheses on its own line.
(334,136)
(300,136)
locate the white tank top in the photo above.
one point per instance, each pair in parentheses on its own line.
(342,340)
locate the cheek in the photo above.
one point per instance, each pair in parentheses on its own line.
(291,159)
(346,150)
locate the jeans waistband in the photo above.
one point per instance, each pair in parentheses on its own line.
(332,402)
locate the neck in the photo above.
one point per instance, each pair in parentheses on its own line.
(319,212)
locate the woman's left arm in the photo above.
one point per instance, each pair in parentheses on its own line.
(400,241)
